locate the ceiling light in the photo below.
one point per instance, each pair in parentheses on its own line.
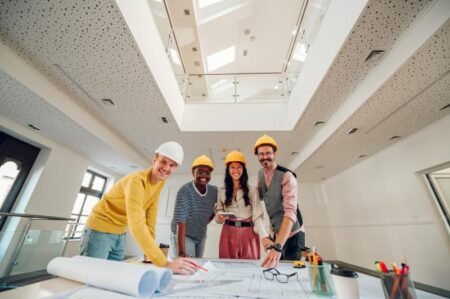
(187,12)
(352,131)
(33,127)
(395,137)
(318,123)
(276,87)
(194,49)
(164,119)
(107,102)
(294,32)
(247,31)
(244,53)
(294,153)
(375,56)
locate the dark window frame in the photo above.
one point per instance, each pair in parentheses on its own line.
(14,149)
(86,191)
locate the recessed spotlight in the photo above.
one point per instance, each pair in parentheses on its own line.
(252,38)
(318,123)
(352,131)
(244,53)
(395,137)
(194,49)
(186,12)
(164,119)
(247,31)
(34,127)
(197,63)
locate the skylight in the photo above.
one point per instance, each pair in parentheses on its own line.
(300,52)
(174,56)
(221,58)
(205,3)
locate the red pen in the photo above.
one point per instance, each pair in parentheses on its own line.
(197,266)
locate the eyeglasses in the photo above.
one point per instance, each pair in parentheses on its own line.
(271,273)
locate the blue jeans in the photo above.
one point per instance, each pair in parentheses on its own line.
(193,248)
(103,245)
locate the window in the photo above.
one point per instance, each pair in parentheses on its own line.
(16,160)
(439,181)
(91,192)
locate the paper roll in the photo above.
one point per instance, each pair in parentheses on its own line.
(116,276)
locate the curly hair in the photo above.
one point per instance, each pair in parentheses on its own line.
(229,185)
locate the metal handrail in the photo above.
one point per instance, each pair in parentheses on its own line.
(29,219)
(35,217)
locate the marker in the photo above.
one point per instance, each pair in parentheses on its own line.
(197,265)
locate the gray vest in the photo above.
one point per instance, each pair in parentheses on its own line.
(273,199)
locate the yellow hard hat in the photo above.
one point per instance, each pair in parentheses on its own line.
(235,156)
(202,160)
(265,140)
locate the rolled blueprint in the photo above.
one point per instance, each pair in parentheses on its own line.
(135,280)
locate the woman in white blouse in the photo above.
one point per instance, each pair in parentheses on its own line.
(240,210)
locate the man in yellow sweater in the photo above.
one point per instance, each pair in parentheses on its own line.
(133,202)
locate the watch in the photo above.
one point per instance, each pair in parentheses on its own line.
(277,247)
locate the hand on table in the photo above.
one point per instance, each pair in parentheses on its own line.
(182,265)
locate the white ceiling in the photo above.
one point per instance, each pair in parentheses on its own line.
(81,52)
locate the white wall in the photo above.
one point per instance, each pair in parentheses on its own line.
(50,189)
(381,209)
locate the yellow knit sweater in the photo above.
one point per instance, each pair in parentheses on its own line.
(132,201)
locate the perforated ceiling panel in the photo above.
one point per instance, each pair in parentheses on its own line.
(411,100)
(86,50)
(379,27)
(26,108)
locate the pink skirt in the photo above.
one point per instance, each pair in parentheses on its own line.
(239,242)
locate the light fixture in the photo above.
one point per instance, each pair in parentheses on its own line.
(34,127)
(294,153)
(318,123)
(375,56)
(107,102)
(445,107)
(352,131)
(395,137)
(164,119)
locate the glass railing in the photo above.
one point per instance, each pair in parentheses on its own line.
(252,88)
(209,88)
(26,250)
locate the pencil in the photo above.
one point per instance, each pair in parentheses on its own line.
(197,266)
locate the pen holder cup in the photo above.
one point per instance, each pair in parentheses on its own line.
(164,248)
(320,279)
(397,286)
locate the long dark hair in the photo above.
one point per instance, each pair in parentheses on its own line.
(229,185)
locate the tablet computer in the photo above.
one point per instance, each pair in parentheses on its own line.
(227,214)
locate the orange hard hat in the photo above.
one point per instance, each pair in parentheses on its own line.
(235,156)
(202,160)
(265,140)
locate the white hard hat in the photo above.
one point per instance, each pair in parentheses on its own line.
(171,150)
